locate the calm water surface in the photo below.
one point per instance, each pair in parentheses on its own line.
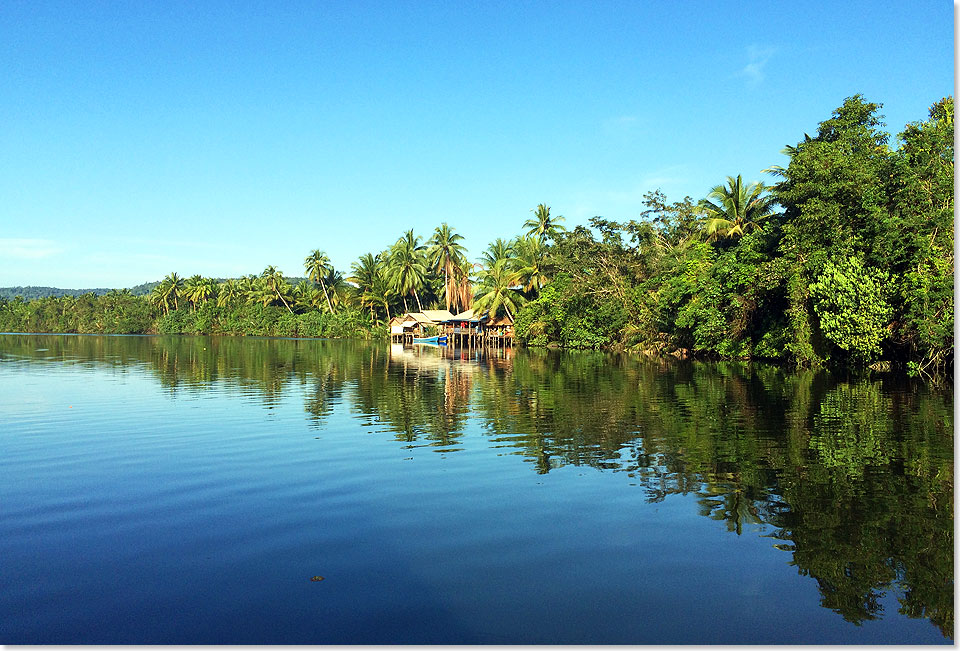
(188,490)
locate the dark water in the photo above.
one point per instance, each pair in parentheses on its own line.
(187,490)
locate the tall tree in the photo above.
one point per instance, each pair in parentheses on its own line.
(407,267)
(499,249)
(366,274)
(835,195)
(445,252)
(496,290)
(317,266)
(228,292)
(543,226)
(530,253)
(274,281)
(172,288)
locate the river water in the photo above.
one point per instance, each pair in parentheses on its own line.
(189,490)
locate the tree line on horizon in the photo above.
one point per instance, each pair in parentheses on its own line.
(846,260)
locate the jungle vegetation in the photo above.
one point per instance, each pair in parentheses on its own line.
(845,260)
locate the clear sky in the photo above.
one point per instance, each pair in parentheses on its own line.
(140,138)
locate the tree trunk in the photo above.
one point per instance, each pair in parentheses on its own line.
(284,302)
(417,296)
(446,286)
(329,305)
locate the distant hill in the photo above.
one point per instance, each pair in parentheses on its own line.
(32,292)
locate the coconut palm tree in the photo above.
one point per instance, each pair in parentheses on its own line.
(530,253)
(204,291)
(499,249)
(227,292)
(735,209)
(158,298)
(302,294)
(463,286)
(274,282)
(317,265)
(190,287)
(446,253)
(543,226)
(366,274)
(339,290)
(407,268)
(496,290)
(172,288)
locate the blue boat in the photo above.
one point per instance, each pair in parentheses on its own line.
(442,339)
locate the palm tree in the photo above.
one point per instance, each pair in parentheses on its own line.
(190,287)
(250,286)
(158,298)
(366,273)
(738,208)
(463,286)
(530,253)
(273,280)
(446,253)
(339,290)
(205,290)
(543,226)
(499,249)
(496,290)
(228,292)
(317,264)
(407,267)
(303,295)
(172,287)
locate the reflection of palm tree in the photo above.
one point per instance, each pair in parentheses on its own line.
(446,253)
(738,208)
(317,265)
(543,226)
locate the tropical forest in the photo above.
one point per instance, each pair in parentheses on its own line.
(845,259)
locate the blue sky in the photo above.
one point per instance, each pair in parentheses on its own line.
(140,138)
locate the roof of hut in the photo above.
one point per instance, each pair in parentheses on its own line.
(436,316)
(502,320)
(465,316)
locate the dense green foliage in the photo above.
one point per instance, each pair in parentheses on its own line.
(122,313)
(855,268)
(846,261)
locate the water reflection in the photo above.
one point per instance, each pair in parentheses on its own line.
(853,478)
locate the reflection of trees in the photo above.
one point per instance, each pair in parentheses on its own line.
(854,478)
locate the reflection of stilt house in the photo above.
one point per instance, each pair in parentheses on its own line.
(404,327)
